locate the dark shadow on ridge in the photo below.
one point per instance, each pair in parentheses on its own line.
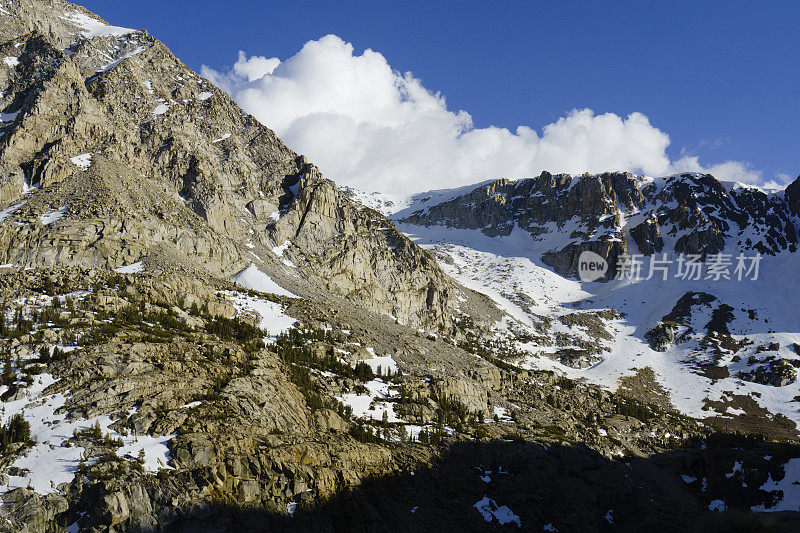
(562,487)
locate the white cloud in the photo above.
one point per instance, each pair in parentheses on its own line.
(254,68)
(780,182)
(373,128)
(726,171)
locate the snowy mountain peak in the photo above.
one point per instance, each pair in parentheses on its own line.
(616,214)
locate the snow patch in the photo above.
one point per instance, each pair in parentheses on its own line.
(9,210)
(252,278)
(383,362)
(120,60)
(156,454)
(83,161)
(160,109)
(279,250)
(717,505)
(91,28)
(133,268)
(789,485)
(273,320)
(49,463)
(365,405)
(502,414)
(491,511)
(53,216)
(9,117)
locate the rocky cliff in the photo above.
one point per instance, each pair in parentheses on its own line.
(113,151)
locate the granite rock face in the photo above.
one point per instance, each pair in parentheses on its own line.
(793,196)
(113,152)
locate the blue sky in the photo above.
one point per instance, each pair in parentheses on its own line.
(722,79)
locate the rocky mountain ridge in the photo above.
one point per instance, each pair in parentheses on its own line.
(617,214)
(150,162)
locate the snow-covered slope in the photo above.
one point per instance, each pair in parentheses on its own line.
(724,348)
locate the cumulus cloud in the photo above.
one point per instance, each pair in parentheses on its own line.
(371,127)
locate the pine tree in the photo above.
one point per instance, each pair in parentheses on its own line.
(44,354)
(9,376)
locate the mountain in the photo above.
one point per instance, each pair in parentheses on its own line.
(617,214)
(200,332)
(721,348)
(151,163)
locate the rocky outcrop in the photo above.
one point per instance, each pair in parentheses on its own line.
(661,336)
(358,252)
(647,236)
(792,196)
(494,208)
(774,372)
(32,512)
(465,391)
(565,260)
